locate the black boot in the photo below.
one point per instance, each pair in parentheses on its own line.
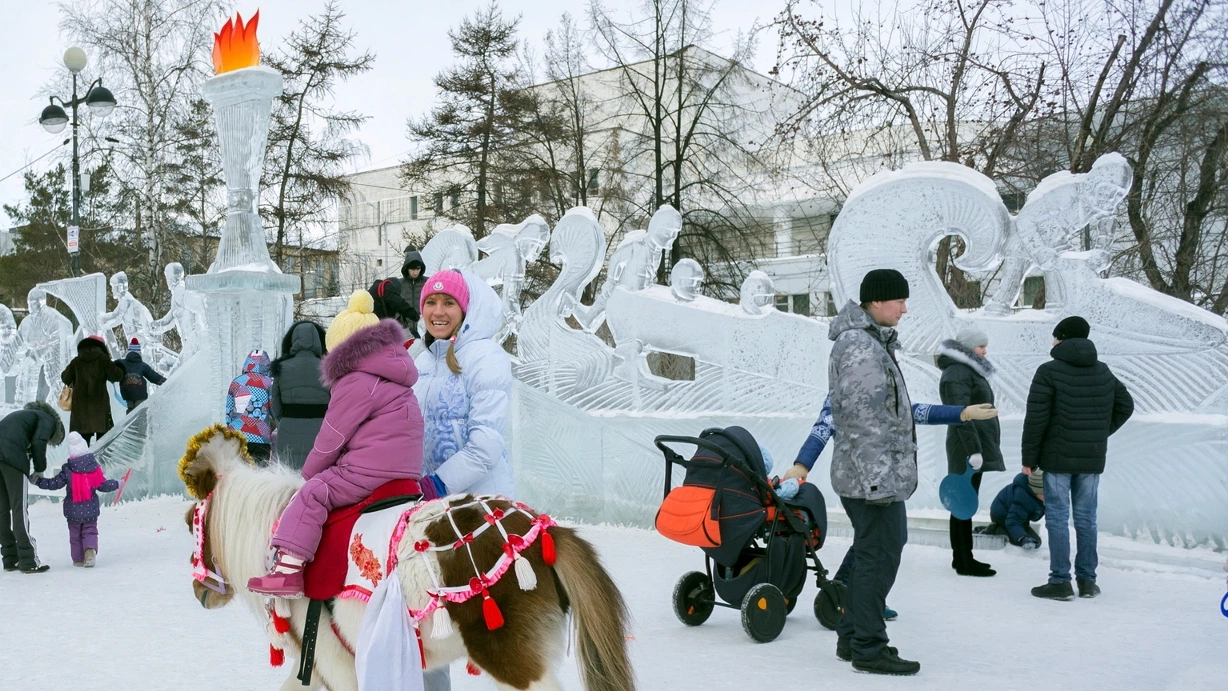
(887,662)
(973,567)
(961,549)
(844,651)
(1054,591)
(1088,589)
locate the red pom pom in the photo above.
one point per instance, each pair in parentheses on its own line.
(277,656)
(280,623)
(494,618)
(472,669)
(548,554)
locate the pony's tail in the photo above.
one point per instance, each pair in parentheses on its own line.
(600,614)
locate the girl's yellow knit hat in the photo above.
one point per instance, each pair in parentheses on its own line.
(358,315)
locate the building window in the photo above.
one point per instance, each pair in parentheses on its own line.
(438,203)
(1014,201)
(413,208)
(379,263)
(801,304)
(454,201)
(1033,294)
(594,181)
(782,303)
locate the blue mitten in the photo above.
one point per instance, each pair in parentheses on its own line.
(788,488)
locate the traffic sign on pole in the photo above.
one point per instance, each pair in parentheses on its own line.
(74,239)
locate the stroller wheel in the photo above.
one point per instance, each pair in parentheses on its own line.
(763,612)
(829,604)
(694,598)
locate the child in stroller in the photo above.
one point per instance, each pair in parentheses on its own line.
(757,545)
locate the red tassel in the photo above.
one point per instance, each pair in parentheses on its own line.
(280,623)
(548,554)
(472,669)
(490,610)
(277,656)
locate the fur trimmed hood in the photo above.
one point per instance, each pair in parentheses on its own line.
(366,350)
(957,352)
(57,434)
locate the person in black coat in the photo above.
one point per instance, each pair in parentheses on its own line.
(398,298)
(298,399)
(132,388)
(88,374)
(965,382)
(1074,404)
(1017,506)
(24,436)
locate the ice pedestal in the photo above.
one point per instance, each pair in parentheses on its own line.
(242,102)
(245,310)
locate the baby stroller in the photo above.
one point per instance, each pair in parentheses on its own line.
(757,547)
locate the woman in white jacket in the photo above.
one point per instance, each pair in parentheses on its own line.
(464,388)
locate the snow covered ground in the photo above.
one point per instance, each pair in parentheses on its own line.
(131,623)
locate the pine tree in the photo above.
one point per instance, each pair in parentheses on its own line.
(195,178)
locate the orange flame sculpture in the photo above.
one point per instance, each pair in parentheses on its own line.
(235,46)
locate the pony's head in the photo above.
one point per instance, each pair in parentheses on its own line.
(210,455)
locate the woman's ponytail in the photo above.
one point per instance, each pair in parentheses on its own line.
(453,363)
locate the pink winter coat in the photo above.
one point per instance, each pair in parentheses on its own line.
(373,425)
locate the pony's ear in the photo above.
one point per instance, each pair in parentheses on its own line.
(210,454)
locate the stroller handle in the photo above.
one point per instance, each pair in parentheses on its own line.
(672,457)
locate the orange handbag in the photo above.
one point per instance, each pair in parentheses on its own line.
(686,517)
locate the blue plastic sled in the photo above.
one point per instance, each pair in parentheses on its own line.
(957,495)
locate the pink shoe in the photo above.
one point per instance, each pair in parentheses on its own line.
(285,580)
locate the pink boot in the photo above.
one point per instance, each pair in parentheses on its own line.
(284,580)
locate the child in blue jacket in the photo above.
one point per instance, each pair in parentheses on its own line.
(1017,505)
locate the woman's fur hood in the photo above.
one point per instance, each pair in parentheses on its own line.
(349,355)
(57,432)
(958,352)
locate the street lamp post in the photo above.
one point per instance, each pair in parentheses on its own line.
(54,119)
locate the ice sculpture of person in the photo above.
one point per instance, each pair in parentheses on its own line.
(47,339)
(10,351)
(510,249)
(634,263)
(686,279)
(129,314)
(1052,219)
(758,291)
(186,314)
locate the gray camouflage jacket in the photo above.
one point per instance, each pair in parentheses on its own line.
(875,452)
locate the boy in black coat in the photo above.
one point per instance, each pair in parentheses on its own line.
(24,436)
(1074,404)
(132,387)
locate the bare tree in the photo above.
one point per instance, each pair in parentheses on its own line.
(153,54)
(308,140)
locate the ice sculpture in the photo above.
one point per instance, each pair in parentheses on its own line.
(686,279)
(758,293)
(47,338)
(1051,222)
(186,314)
(131,316)
(86,297)
(10,358)
(510,249)
(634,263)
(450,248)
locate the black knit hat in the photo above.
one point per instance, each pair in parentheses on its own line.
(1072,327)
(881,285)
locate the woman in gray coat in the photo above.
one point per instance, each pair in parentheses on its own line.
(298,399)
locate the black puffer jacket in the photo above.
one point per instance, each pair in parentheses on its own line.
(25,434)
(298,399)
(965,382)
(1074,404)
(411,288)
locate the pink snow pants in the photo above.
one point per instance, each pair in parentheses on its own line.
(303,520)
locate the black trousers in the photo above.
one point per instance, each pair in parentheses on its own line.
(17,547)
(961,533)
(879,534)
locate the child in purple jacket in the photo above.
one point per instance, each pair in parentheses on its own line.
(372,434)
(84,479)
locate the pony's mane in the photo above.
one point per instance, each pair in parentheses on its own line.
(245,505)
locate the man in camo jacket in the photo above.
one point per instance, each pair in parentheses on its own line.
(874,464)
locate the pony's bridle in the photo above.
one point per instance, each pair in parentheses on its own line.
(200,571)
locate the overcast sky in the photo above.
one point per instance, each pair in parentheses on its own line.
(409,40)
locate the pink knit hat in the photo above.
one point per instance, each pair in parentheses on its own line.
(449,283)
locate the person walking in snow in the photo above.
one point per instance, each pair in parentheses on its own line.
(24,437)
(874,463)
(1017,506)
(1074,404)
(299,399)
(465,388)
(84,479)
(824,429)
(88,374)
(372,434)
(132,387)
(965,382)
(247,405)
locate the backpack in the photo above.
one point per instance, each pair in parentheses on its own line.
(379,290)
